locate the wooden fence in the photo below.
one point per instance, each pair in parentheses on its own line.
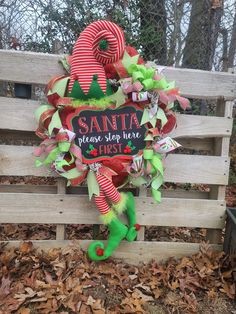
(179,208)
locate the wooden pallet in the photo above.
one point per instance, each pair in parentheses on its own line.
(60,205)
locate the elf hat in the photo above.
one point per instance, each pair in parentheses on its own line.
(101,43)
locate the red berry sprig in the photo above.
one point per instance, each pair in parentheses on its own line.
(129,147)
(92,151)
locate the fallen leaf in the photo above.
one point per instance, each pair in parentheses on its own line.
(172,298)
(23,310)
(229,289)
(174,285)
(132,277)
(137,294)
(90,300)
(212,294)
(26,247)
(157,293)
(5,287)
(23,296)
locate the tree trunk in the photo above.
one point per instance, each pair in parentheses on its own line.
(232,46)
(175,37)
(202,35)
(1,37)
(153,30)
(224,58)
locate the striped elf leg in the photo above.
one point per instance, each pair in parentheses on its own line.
(117,230)
(109,189)
(119,200)
(101,203)
(107,192)
(122,202)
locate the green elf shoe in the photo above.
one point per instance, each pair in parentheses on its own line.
(127,205)
(117,232)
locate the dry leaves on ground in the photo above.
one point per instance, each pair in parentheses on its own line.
(65,281)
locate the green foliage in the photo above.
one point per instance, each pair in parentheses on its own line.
(232,176)
(66,21)
(232,172)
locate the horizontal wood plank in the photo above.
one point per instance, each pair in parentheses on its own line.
(203,84)
(198,144)
(28,138)
(19,161)
(74,209)
(18,114)
(21,111)
(27,188)
(29,67)
(202,126)
(82,190)
(133,253)
(38,68)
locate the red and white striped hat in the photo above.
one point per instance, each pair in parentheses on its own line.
(102,42)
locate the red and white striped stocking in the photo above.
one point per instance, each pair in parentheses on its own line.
(107,191)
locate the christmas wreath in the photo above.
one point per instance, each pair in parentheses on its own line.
(107,122)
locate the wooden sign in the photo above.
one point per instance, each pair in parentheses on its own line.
(104,134)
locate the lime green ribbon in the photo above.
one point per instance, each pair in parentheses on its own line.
(55,122)
(65,63)
(71,174)
(154,166)
(146,75)
(62,147)
(55,119)
(93,186)
(52,156)
(159,115)
(41,109)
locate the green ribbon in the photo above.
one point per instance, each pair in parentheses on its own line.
(137,181)
(63,147)
(145,75)
(59,87)
(65,63)
(41,109)
(93,186)
(160,115)
(169,86)
(119,98)
(55,122)
(157,172)
(71,174)
(162,84)
(51,157)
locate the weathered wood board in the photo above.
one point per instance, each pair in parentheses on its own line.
(192,83)
(22,113)
(77,209)
(19,161)
(133,253)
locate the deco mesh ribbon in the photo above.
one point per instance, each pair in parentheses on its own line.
(103,73)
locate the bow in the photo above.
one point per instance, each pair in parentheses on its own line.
(55,149)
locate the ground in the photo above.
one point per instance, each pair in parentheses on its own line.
(65,281)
